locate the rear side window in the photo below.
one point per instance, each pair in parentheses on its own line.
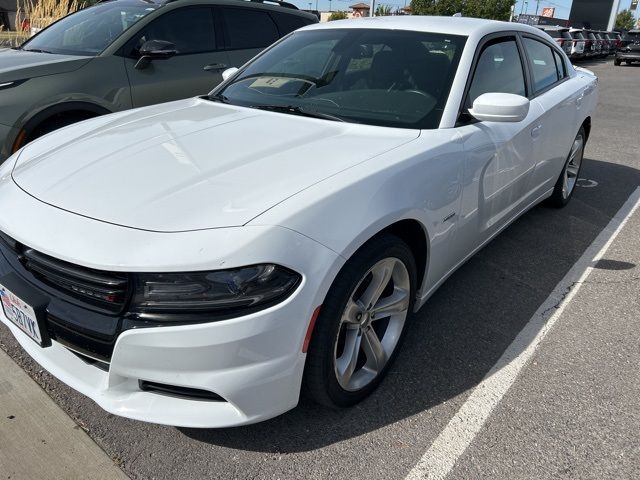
(189,29)
(560,68)
(249,28)
(542,64)
(288,23)
(499,70)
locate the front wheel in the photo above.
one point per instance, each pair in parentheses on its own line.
(566,184)
(617,62)
(361,324)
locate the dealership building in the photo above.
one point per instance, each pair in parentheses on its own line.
(595,14)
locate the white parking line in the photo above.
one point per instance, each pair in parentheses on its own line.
(440,458)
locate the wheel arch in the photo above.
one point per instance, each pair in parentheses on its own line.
(413,233)
(409,230)
(31,124)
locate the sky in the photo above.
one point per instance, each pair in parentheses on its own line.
(562,6)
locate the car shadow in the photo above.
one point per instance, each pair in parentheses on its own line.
(465,327)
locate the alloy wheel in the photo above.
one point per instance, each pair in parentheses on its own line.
(573,166)
(371,324)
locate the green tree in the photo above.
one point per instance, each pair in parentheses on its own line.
(493,9)
(625,20)
(338,16)
(382,11)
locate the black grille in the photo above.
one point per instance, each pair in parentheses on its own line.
(105,289)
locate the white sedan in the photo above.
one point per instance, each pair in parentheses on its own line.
(202,262)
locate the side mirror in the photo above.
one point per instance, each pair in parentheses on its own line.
(500,107)
(155,50)
(228,73)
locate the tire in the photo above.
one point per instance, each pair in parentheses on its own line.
(566,183)
(617,62)
(334,376)
(628,62)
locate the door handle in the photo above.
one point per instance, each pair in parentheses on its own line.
(215,67)
(535,132)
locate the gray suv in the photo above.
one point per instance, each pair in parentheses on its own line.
(122,54)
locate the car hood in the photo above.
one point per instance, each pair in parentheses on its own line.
(192,164)
(20,64)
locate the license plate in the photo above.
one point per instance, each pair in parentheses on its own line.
(20,313)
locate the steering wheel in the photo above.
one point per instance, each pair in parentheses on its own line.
(419,92)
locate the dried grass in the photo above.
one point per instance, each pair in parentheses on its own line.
(41,14)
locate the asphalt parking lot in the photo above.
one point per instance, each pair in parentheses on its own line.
(572,412)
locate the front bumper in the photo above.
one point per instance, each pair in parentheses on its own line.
(254,362)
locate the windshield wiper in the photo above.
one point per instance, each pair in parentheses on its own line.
(219,98)
(295,110)
(37,50)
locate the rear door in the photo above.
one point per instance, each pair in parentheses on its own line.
(558,96)
(195,70)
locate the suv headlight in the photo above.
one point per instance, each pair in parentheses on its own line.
(222,290)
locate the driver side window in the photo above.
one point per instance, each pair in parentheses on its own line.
(191,30)
(499,70)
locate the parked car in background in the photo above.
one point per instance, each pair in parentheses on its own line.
(604,43)
(578,46)
(612,42)
(199,262)
(123,54)
(595,44)
(561,35)
(629,48)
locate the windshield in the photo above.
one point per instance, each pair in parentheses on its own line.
(88,32)
(380,77)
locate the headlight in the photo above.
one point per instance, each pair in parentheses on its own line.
(215,291)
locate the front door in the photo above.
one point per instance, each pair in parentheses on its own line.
(195,70)
(500,157)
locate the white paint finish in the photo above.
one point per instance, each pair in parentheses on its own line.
(194,186)
(194,154)
(452,442)
(500,107)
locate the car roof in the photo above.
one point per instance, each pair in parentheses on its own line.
(273,5)
(448,25)
(552,27)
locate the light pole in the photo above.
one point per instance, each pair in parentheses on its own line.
(537,6)
(614,13)
(522,7)
(310,5)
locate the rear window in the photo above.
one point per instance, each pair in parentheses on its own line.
(288,23)
(249,28)
(542,64)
